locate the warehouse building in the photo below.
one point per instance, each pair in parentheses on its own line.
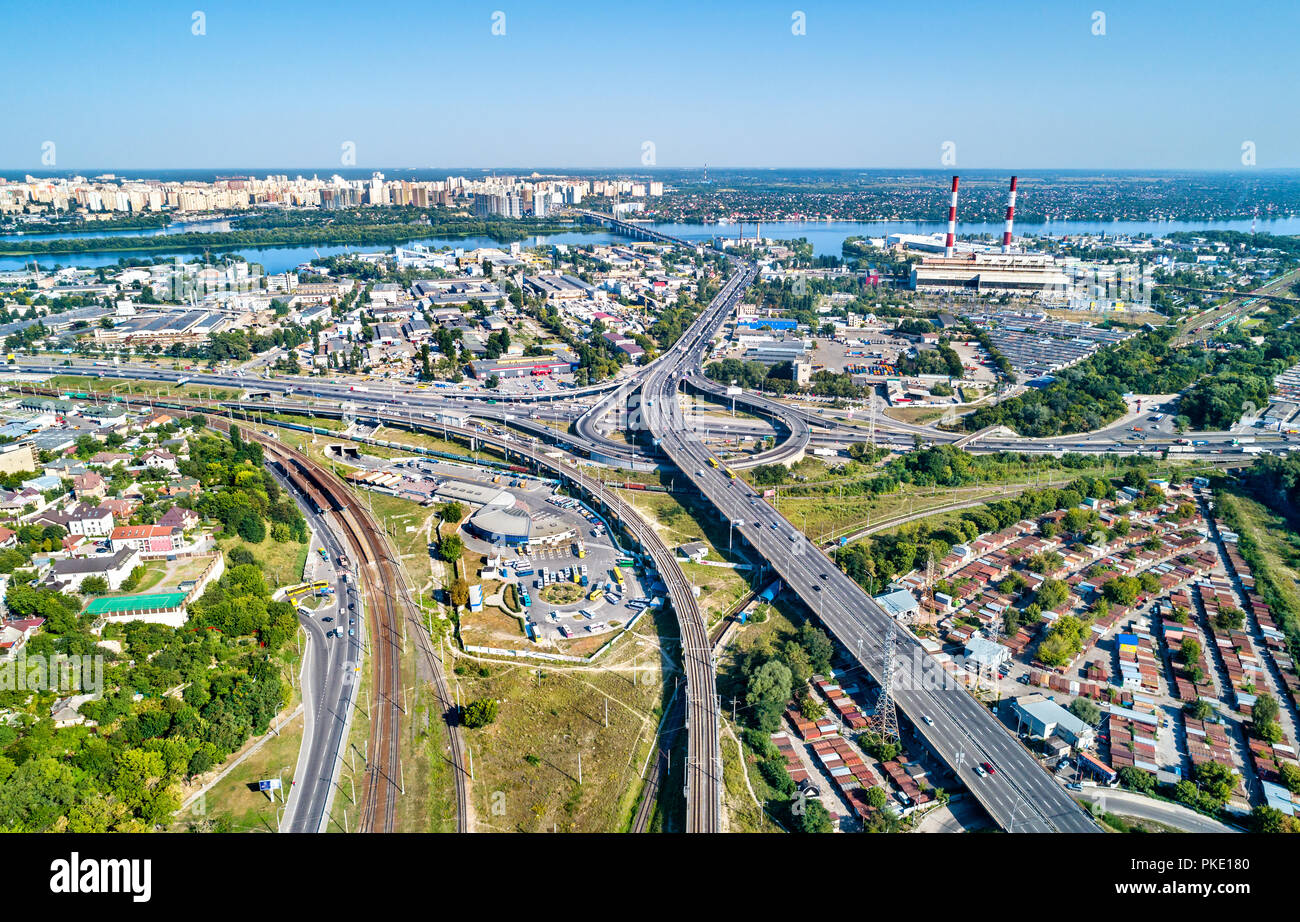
(475,494)
(766,323)
(1042,718)
(775,351)
(165,328)
(522,366)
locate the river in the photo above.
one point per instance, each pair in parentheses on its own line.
(826,237)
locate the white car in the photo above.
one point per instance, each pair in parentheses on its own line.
(979,770)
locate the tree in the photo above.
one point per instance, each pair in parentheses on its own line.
(1086,710)
(768,691)
(814,817)
(1045,562)
(94,585)
(1268,819)
(1135,779)
(819,647)
(1063,642)
(1190,651)
(810,708)
(1290,773)
(883,748)
(1229,618)
(479,713)
(1052,594)
(1200,709)
(877,797)
(451,548)
(1263,718)
(459,594)
(1265,709)
(1217,782)
(1123,590)
(451,512)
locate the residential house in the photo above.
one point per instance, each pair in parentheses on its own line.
(15,634)
(179,517)
(89,486)
(147,539)
(694,550)
(18,500)
(91,521)
(159,459)
(121,508)
(110,458)
(66,712)
(185,486)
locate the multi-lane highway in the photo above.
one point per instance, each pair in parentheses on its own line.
(795,428)
(990,761)
(329,683)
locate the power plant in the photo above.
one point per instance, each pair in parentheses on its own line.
(1005,272)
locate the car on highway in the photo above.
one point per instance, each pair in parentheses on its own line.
(816,588)
(988,767)
(327,618)
(979,770)
(928,719)
(825,576)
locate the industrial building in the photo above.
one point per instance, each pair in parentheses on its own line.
(15,458)
(166,328)
(766,323)
(476,494)
(998,273)
(518,527)
(522,366)
(1042,718)
(899,603)
(775,351)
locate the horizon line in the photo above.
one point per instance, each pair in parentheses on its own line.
(651,169)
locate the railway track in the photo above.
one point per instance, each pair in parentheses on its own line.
(390,605)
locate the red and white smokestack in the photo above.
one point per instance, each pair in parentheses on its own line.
(950,244)
(1011,217)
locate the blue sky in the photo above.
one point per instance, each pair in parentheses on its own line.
(583,84)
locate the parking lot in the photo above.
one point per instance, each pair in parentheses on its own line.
(1038,346)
